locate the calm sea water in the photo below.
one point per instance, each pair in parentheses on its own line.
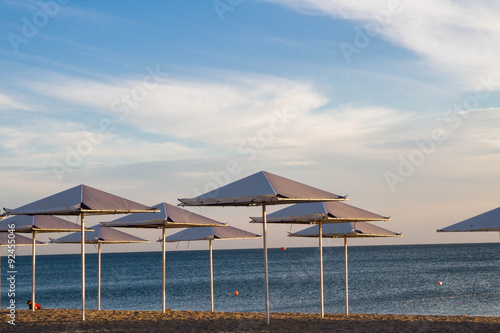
(382,279)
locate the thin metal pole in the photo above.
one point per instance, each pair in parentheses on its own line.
(83,264)
(163,271)
(211,274)
(0,278)
(266,272)
(99,277)
(321,270)
(346,278)
(33,254)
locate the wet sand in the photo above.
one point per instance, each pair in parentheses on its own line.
(58,320)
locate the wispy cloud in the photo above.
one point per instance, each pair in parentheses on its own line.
(230,117)
(458,38)
(8,102)
(67,10)
(223,111)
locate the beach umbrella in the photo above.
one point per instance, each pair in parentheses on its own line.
(100,235)
(321,213)
(81,200)
(262,189)
(345,230)
(12,240)
(210,234)
(489,221)
(167,216)
(34,224)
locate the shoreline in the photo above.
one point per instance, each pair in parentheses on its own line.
(64,320)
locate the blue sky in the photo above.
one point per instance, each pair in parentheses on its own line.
(394,103)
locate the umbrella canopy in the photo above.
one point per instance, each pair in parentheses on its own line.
(19,240)
(7,239)
(344,230)
(325,212)
(167,216)
(80,200)
(37,224)
(210,234)
(321,213)
(100,235)
(489,221)
(261,189)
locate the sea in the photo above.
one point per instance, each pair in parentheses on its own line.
(450,279)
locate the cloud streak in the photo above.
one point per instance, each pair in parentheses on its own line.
(459,39)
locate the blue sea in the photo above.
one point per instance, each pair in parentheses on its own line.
(382,279)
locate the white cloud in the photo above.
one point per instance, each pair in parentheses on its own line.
(224,111)
(177,119)
(8,102)
(227,118)
(458,38)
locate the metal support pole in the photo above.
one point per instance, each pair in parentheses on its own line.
(83,264)
(266,272)
(346,278)
(33,255)
(211,275)
(0,278)
(99,277)
(163,270)
(321,270)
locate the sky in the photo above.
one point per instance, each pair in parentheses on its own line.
(393,103)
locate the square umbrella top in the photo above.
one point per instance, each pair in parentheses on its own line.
(325,212)
(168,216)
(489,221)
(100,234)
(261,188)
(347,229)
(81,199)
(38,223)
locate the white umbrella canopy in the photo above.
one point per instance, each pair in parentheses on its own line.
(37,224)
(325,212)
(261,189)
(210,234)
(19,240)
(100,235)
(13,240)
(345,230)
(489,221)
(81,200)
(167,216)
(321,213)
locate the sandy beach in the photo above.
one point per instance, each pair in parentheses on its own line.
(57,320)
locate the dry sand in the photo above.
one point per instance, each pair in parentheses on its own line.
(56,320)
